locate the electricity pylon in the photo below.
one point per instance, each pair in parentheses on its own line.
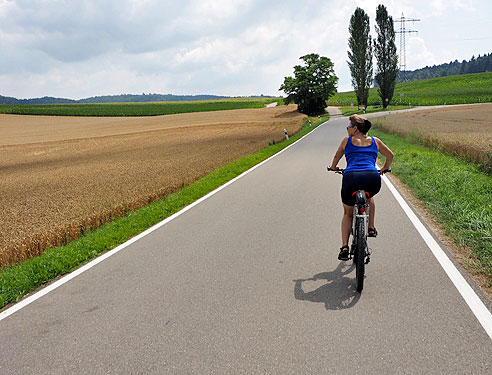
(402,32)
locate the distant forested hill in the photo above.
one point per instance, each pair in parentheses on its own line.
(129,98)
(480,64)
(44,100)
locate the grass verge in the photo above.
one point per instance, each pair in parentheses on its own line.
(456,192)
(19,279)
(348,110)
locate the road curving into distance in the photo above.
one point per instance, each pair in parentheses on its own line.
(248,281)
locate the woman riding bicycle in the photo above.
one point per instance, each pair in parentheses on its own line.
(361,173)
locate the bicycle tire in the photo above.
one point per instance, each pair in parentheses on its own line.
(361,254)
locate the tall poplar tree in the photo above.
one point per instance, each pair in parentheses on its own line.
(385,52)
(360,55)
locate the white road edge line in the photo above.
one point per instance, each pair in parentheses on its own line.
(478,308)
(18,306)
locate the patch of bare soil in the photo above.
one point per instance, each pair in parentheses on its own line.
(61,174)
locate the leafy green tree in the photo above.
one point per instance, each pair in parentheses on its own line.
(360,55)
(385,52)
(312,84)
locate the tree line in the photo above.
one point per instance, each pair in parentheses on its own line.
(44,100)
(315,81)
(480,64)
(123,98)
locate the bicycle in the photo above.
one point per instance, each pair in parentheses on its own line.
(359,250)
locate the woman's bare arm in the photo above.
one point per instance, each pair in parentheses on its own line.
(339,153)
(386,152)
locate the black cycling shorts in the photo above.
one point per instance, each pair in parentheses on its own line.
(370,181)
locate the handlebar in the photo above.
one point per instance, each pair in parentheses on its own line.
(338,170)
(341,171)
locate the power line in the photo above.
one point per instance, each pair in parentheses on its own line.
(488,37)
(402,32)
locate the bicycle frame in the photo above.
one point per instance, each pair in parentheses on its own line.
(359,251)
(361,213)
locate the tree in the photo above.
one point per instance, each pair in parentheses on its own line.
(385,52)
(312,84)
(360,55)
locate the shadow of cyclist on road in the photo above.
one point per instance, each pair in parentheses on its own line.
(337,293)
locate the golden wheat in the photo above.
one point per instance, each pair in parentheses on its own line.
(55,190)
(465,131)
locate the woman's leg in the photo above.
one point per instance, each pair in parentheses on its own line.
(348,212)
(373,187)
(372,212)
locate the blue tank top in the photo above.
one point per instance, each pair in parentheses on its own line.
(361,158)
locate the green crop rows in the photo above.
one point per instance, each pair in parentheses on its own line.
(134,109)
(462,89)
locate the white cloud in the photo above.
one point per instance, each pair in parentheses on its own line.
(417,52)
(231,47)
(218,10)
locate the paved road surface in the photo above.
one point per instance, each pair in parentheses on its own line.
(247,282)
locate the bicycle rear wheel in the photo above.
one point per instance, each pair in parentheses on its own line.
(361,254)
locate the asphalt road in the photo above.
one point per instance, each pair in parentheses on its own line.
(248,282)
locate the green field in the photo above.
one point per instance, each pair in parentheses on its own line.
(135,109)
(462,89)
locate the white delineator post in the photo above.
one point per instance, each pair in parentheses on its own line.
(286,135)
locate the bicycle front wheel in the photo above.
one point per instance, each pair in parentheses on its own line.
(361,254)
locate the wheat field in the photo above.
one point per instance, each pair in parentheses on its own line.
(465,130)
(62,176)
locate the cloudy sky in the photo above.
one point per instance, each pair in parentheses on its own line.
(81,48)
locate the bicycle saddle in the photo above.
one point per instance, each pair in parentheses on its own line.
(360,197)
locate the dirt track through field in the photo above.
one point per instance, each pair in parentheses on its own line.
(58,173)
